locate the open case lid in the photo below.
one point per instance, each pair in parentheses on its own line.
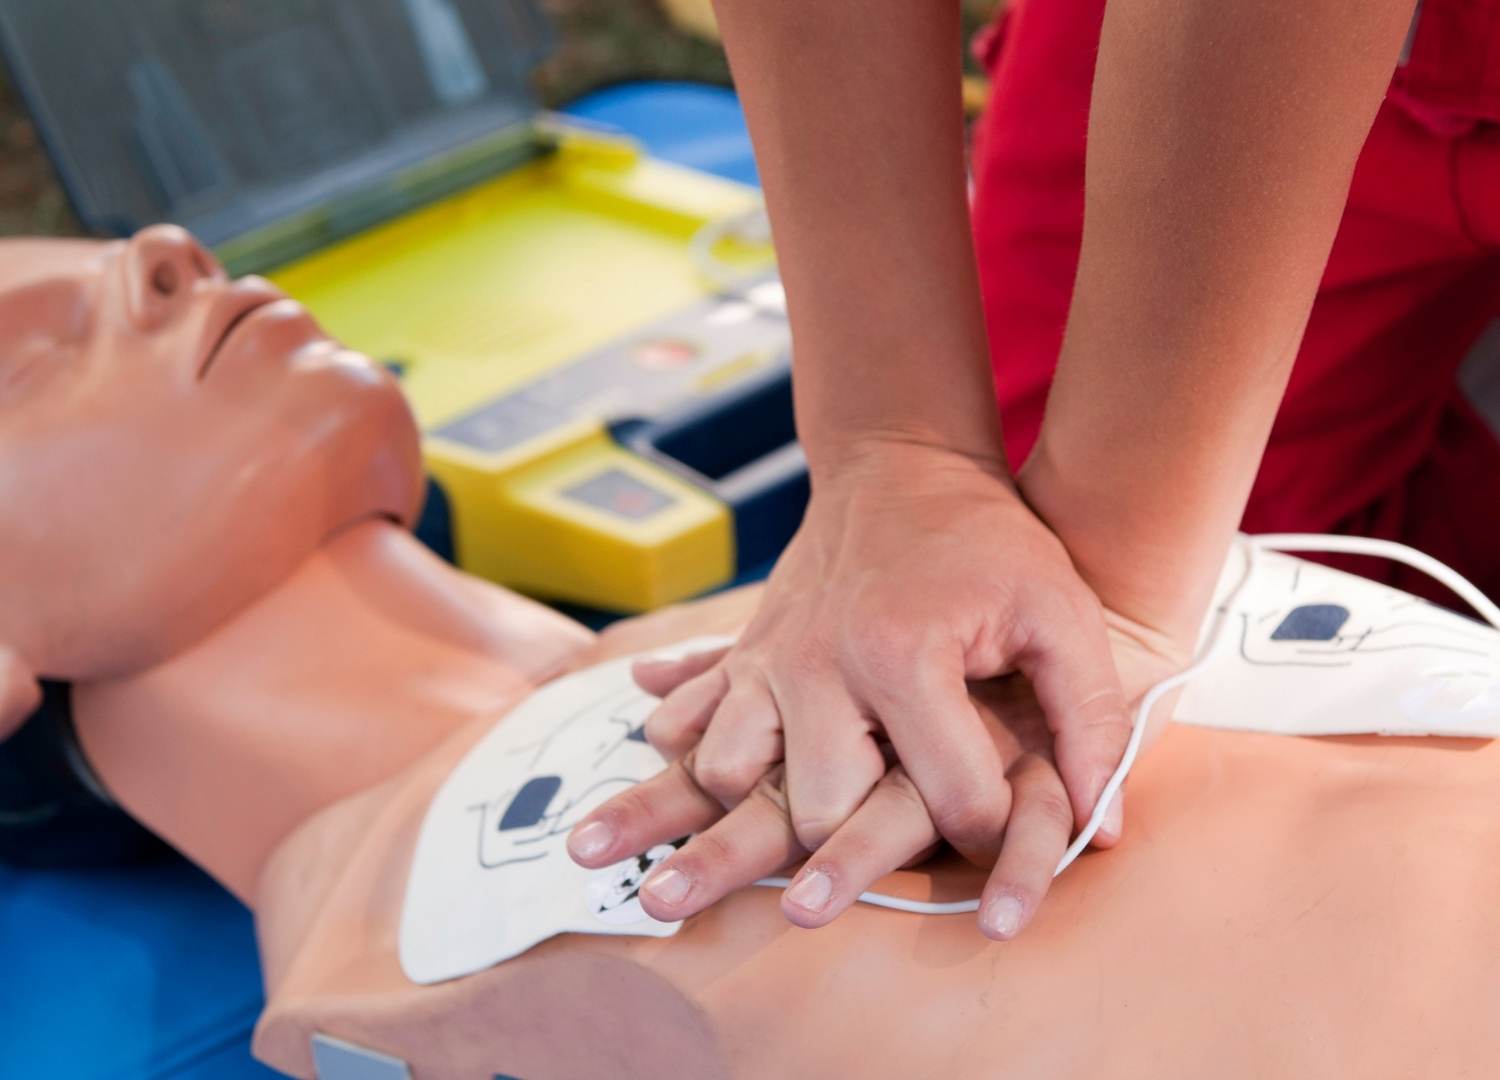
(256,123)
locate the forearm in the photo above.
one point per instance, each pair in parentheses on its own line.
(855,111)
(1222,138)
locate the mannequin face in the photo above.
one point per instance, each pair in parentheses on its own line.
(172,445)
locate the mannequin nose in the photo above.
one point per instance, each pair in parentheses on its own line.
(166,265)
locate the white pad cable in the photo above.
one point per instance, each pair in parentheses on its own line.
(1307,542)
(1384,549)
(751,228)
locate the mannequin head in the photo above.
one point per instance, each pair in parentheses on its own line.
(172,445)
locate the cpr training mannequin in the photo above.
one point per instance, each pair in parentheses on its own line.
(272,675)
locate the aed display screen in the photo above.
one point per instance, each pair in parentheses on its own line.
(616,492)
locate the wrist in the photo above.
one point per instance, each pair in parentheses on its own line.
(901,395)
(895,455)
(1152,571)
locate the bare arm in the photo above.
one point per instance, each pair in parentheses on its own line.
(918,565)
(1222,139)
(855,111)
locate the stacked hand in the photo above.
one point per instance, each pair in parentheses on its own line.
(926,665)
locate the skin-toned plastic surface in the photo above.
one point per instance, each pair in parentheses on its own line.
(1277,907)
(174,445)
(203,494)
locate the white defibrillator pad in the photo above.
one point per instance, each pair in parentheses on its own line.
(491,876)
(1297,648)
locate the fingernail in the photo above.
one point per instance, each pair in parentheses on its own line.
(811,892)
(591,840)
(1114,818)
(1002,917)
(670,886)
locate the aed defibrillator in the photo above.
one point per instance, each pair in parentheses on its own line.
(606,421)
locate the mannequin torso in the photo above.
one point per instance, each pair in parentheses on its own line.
(1280,907)
(1283,907)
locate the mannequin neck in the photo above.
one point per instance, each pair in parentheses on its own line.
(360,662)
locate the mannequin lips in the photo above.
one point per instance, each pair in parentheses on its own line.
(233,308)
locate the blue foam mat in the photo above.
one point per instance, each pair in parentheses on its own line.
(151,972)
(147,971)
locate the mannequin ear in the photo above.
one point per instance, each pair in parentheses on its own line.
(19,693)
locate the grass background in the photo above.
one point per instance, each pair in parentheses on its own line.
(599,42)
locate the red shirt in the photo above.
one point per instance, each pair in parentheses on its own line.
(1450,78)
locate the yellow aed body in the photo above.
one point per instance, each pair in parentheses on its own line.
(606,411)
(544,325)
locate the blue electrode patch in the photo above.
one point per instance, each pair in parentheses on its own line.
(1312,622)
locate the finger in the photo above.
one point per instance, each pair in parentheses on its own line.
(947,751)
(751,841)
(742,743)
(678,723)
(1113,825)
(1072,669)
(656,811)
(660,675)
(888,831)
(1041,821)
(832,761)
